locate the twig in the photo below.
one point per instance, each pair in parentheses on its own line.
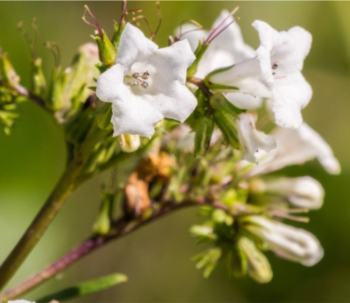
(121,228)
(25,93)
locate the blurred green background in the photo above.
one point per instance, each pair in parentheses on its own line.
(157,258)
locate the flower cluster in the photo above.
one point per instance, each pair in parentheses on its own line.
(207,121)
(215,82)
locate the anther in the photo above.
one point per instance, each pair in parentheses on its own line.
(144,84)
(145,75)
(274,66)
(135,75)
(135,83)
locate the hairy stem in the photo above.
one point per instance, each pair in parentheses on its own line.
(48,212)
(121,228)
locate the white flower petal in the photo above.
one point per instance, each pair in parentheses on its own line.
(133,115)
(288,242)
(192,33)
(244,101)
(134,46)
(110,83)
(295,147)
(253,142)
(289,96)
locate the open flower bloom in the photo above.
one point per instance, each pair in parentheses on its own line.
(304,192)
(286,241)
(296,146)
(275,73)
(253,142)
(147,84)
(225,50)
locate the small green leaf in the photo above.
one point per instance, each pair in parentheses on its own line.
(219,102)
(85,288)
(227,124)
(204,131)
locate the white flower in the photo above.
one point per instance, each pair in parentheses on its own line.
(225,50)
(253,142)
(304,192)
(296,146)
(275,73)
(147,84)
(286,241)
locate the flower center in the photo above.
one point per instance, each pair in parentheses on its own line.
(138,79)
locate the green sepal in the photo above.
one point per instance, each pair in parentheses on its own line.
(85,288)
(227,124)
(200,51)
(55,97)
(258,267)
(239,261)
(204,131)
(208,260)
(38,84)
(8,75)
(107,51)
(117,34)
(102,224)
(215,72)
(219,102)
(104,116)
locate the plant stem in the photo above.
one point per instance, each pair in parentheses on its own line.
(121,228)
(25,93)
(48,212)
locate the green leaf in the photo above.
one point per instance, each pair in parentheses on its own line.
(200,51)
(204,131)
(227,124)
(85,288)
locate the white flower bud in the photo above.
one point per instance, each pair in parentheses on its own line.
(287,242)
(303,192)
(129,143)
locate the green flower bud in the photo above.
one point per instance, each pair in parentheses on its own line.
(38,78)
(227,124)
(107,51)
(103,223)
(8,74)
(117,34)
(204,131)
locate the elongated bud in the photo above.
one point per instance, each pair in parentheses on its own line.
(8,74)
(129,143)
(258,267)
(204,131)
(103,223)
(301,192)
(106,50)
(227,124)
(81,75)
(38,78)
(286,241)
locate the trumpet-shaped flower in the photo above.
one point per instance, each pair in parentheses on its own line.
(254,143)
(275,73)
(225,50)
(287,242)
(297,146)
(147,84)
